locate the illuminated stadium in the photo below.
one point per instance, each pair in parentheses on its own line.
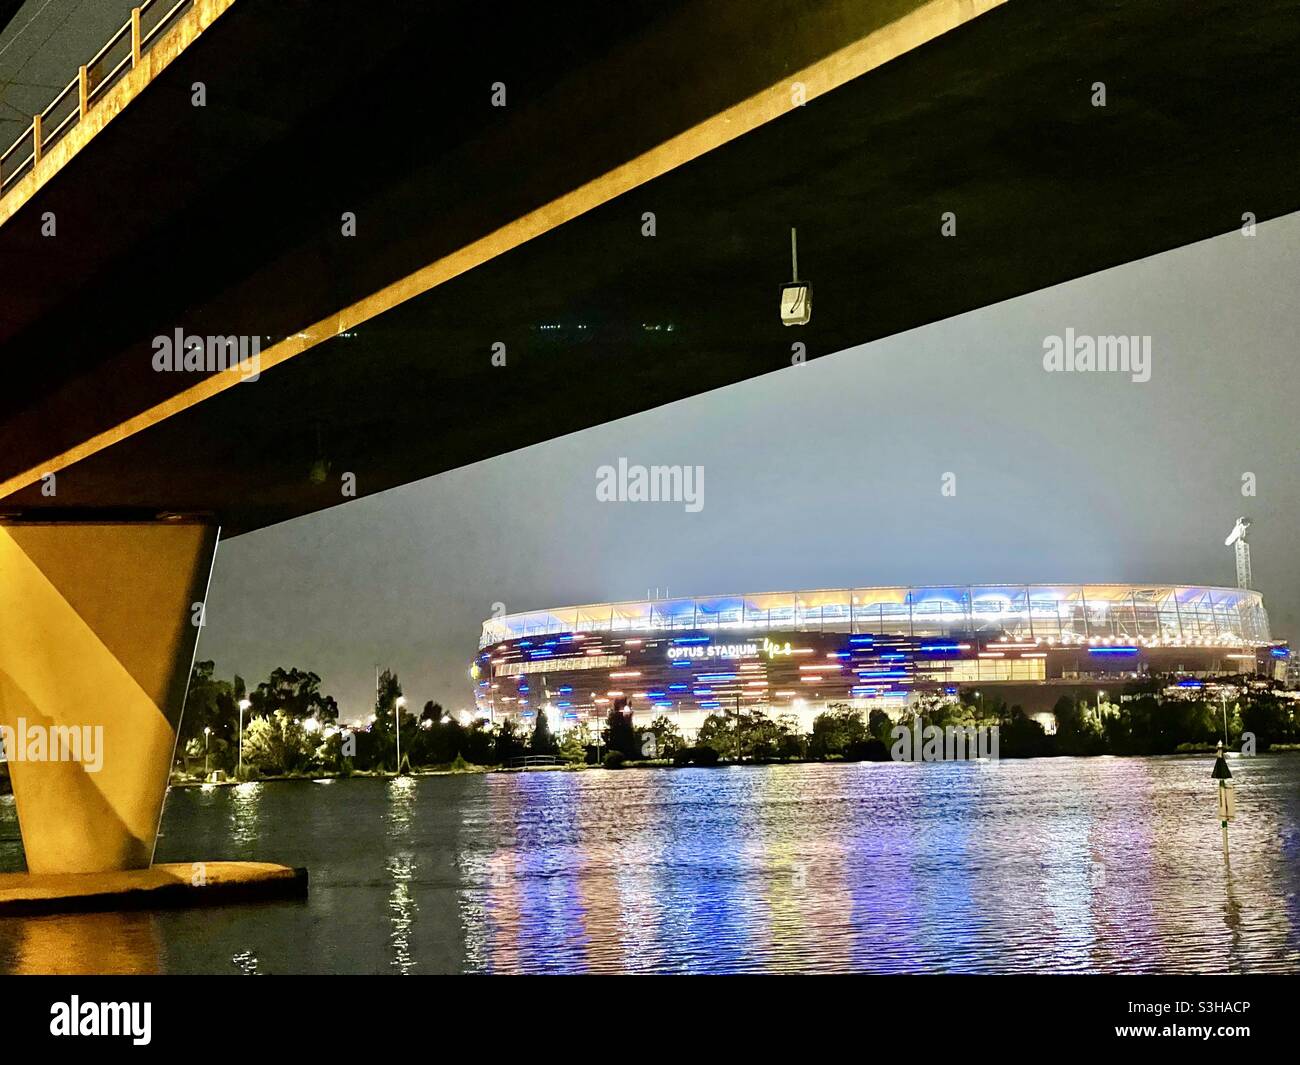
(797,652)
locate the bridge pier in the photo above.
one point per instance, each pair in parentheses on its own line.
(98,625)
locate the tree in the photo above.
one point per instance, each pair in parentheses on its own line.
(278,744)
(835,730)
(659,739)
(542,741)
(1268,719)
(1020,736)
(297,692)
(1078,731)
(383,730)
(620,735)
(209,704)
(573,745)
(718,731)
(762,737)
(750,734)
(507,743)
(477,742)
(881,726)
(438,740)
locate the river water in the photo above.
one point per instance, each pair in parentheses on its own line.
(1049,865)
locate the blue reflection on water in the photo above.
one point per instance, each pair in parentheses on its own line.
(1048,865)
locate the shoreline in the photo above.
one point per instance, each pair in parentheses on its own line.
(661,764)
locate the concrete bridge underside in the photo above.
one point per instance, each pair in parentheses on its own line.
(479,225)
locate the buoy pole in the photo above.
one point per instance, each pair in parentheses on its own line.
(1223,774)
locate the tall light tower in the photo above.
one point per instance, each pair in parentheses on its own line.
(1237,540)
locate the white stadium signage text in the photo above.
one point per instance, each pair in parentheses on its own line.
(715,650)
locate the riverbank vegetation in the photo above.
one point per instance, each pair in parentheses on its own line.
(292,728)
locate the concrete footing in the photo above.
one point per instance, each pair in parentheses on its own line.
(166,886)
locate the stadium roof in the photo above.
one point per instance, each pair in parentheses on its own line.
(1193,614)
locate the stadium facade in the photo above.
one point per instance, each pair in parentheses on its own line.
(797,652)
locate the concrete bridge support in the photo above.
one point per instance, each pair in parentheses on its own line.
(98,625)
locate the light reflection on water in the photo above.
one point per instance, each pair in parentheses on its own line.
(1083,865)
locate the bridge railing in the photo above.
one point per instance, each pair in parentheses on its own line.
(527,761)
(146,26)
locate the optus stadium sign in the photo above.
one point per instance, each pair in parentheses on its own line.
(700,647)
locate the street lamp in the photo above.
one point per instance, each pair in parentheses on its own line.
(1100,695)
(207,732)
(397,715)
(244,704)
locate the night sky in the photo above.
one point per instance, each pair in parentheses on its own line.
(829,474)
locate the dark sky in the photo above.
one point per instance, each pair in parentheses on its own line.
(41,48)
(829,474)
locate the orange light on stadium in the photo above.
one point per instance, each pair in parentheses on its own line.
(629,673)
(992,654)
(615,695)
(809,679)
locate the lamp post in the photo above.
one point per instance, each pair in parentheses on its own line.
(739,751)
(397,716)
(1100,696)
(207,733)
(244,704)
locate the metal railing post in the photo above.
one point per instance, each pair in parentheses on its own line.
(36,139)
(135,36)
(83,90)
